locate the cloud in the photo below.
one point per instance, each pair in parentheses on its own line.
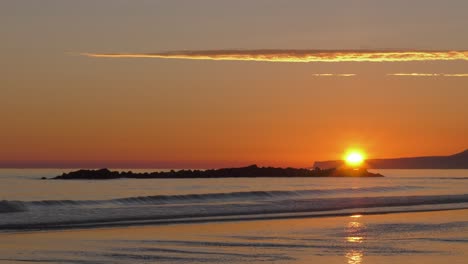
(298,55)
(415,74)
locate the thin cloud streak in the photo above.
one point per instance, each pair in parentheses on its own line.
(415,74)
(299,55)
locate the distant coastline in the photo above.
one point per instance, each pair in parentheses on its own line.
(252,171)
(456,161)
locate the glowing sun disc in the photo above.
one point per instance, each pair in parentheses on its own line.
(354,158)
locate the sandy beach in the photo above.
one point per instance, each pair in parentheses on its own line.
(432,237)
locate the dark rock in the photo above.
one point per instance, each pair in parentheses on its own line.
(252,171)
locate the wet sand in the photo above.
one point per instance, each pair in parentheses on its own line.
(429,237)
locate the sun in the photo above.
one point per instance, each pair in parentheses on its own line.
(354,158)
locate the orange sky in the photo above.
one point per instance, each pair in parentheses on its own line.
(60,109)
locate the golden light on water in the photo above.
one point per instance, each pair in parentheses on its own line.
(334,74)
(354,239)
(354,257)
(415,74)
(356,216)
(298,55)
(354,225)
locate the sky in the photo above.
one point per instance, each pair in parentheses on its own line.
(213,83)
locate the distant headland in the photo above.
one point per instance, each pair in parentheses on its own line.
(252,171)
(456,161)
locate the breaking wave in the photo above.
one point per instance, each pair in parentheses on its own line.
(203,198)
(11,206)
(192,208)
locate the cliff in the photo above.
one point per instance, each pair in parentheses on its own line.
(456,161)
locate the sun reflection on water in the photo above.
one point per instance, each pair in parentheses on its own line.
(354,239)
(356,216)
(355,234)
(354,257)
(353,225)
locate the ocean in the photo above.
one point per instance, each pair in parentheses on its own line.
(409,216)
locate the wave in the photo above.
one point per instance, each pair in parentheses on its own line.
(208,197)
(12,206)
(253,195)
(89,217)
(139,221)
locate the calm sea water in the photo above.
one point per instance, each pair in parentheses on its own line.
(417,215)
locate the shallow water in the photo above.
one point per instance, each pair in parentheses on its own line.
(427,237)
(412,215)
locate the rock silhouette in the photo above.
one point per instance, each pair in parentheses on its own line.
(456,161)
(252,171)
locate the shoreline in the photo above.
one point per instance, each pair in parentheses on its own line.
(414,237)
